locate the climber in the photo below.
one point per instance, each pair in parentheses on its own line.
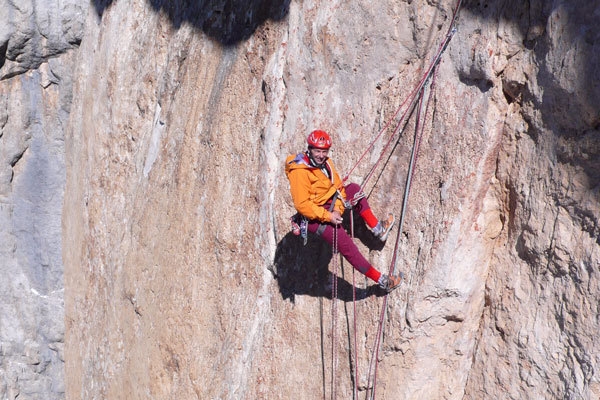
(320,199)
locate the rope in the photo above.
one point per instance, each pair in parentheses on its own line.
(375,353)
(419,128)
(374,364)
(419,131)
(334,295)
(355,393)
(417,94)
(412,97)
(355,372)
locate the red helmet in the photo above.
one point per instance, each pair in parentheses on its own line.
(319,139)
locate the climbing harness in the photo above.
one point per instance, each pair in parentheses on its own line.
(322,226)
(299,222)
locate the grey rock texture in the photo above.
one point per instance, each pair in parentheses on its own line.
(181,279)
(36,67)
(33,31)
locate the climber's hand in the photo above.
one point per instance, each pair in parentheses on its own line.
(336,218)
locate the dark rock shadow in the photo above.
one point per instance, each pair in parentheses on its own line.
(304,269)
(361,232)
(101,5)
(226,21)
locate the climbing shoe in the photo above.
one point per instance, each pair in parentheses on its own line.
(389,282)
(383,228)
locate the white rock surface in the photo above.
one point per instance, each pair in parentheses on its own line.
(36,68)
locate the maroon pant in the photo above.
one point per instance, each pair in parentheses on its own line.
(345,244)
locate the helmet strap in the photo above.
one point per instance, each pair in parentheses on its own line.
(313,162)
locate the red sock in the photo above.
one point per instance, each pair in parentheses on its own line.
(369,218)
(373,274)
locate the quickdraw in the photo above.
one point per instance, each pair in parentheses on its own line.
(300,226)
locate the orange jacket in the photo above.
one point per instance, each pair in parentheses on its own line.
(311,188)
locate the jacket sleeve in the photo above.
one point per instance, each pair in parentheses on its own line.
(300,189)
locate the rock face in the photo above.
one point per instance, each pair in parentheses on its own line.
(36,67)
(181,277)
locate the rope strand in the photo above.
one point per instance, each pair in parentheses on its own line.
(334,295)
(355,392)
(417,96)
(419,130)
(412,97)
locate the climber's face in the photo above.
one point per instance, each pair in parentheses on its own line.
(319,155)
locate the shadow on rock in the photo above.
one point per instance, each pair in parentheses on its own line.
(101,5)
(226,21)
(304,270)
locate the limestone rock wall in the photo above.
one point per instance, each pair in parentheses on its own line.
(36,66)
(181,277)
(541,292)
